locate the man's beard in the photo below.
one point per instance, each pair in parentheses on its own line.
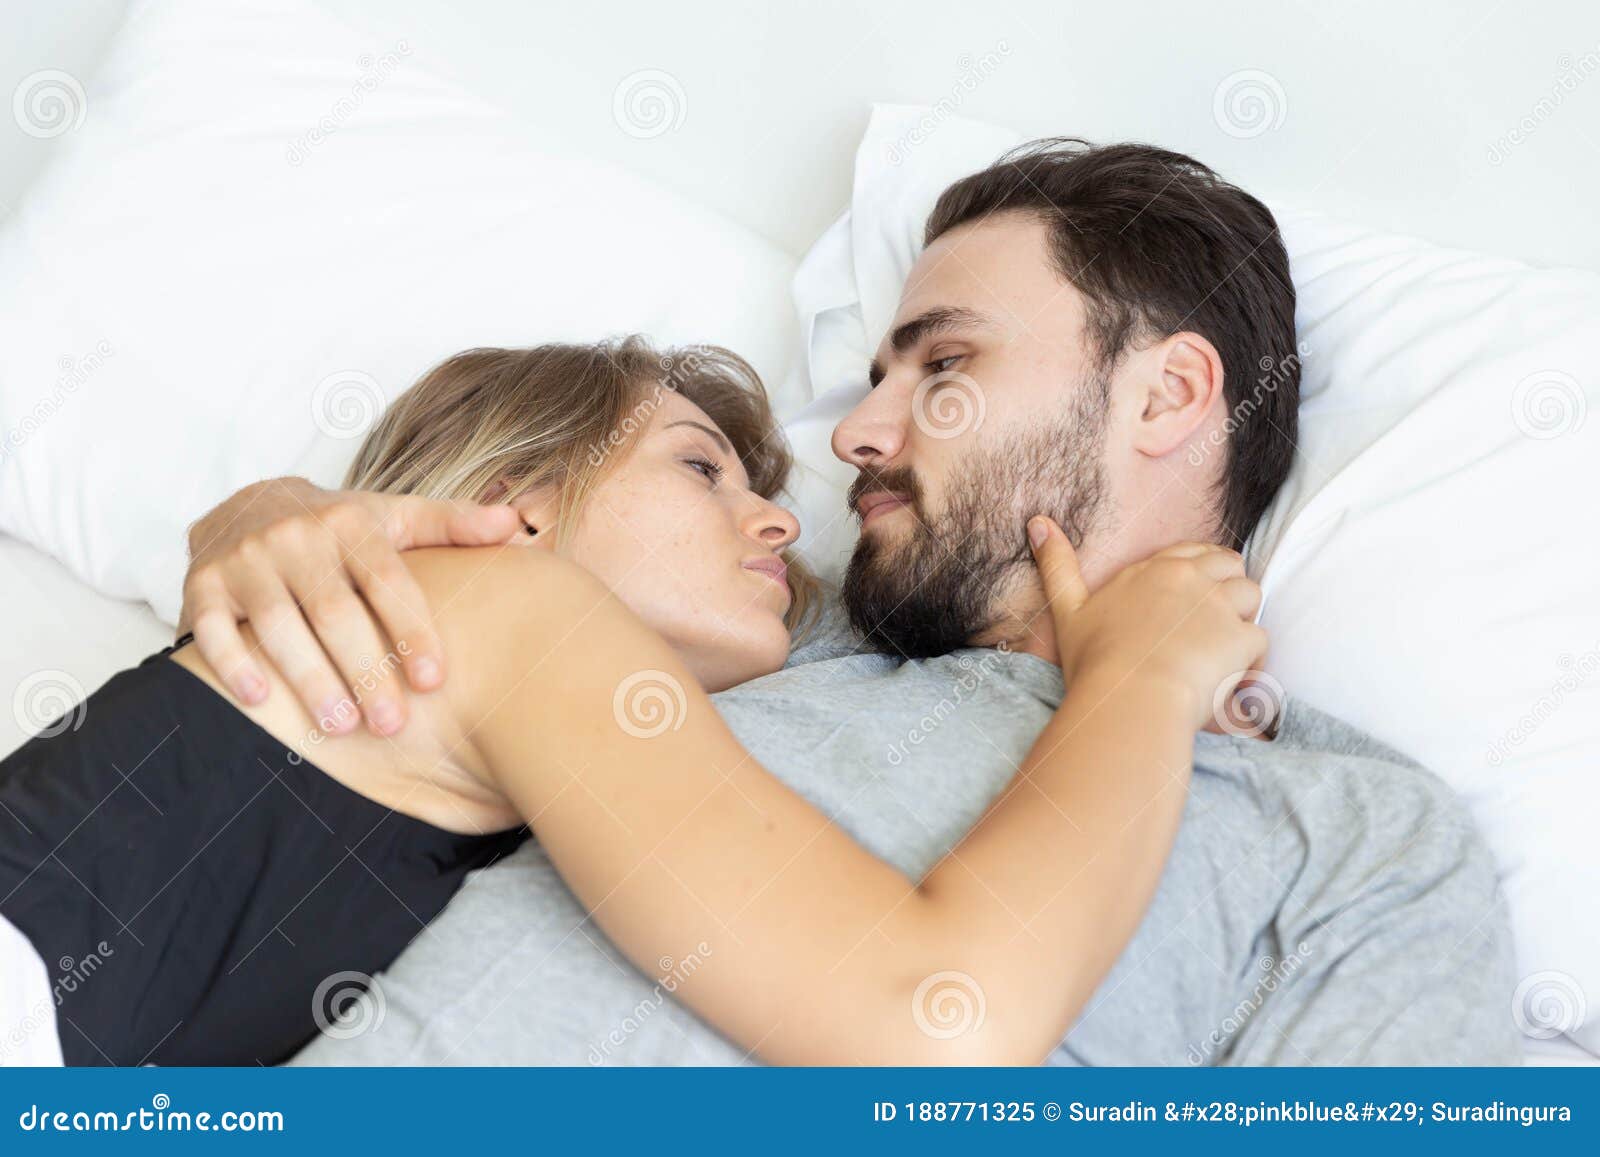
(938,586)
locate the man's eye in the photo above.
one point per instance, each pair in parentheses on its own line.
(942,365)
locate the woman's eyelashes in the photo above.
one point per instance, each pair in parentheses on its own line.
(708,469)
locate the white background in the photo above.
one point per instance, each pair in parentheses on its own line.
(1391,112)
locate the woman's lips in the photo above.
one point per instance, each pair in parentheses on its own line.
(773,568)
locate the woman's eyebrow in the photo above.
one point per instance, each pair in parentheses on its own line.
(716,435)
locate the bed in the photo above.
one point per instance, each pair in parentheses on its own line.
(749,147)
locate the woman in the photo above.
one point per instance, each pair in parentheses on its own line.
(223,863)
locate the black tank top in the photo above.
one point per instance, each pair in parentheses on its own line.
(199,893)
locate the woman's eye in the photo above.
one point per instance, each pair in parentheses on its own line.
(707,468)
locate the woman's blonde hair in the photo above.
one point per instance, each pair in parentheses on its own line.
(566,415)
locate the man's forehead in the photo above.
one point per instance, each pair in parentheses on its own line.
(999,268)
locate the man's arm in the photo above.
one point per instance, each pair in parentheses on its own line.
(317,574)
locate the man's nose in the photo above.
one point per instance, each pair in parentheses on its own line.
(874,433)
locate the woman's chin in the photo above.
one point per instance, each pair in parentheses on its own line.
(729,662)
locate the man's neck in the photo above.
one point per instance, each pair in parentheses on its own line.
(1030,632)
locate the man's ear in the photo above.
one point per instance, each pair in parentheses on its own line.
(1181,387)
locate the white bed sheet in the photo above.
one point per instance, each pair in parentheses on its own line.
(61,632)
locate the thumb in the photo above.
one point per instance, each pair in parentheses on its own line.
(1064,587)
(441,522)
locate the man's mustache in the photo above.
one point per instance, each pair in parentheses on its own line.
(893,479)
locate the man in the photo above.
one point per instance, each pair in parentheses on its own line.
(1123,321)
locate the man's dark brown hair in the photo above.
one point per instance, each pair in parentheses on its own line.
(1158,243)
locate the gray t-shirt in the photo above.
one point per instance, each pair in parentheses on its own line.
(1326,900)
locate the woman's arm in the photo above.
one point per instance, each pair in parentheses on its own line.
(814,950)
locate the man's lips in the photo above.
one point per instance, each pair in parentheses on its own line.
(879,502)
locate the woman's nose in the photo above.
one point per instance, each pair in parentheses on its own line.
(772,525)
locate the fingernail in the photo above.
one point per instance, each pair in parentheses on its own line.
(384,717)
(1038,531)
(426,672)
(250,689)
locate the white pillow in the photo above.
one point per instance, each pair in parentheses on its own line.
(1431,563)
(266,226)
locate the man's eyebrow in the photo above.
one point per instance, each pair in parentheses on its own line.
(716,435)
(940,320)
(934,321)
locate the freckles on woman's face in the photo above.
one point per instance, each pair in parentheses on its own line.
(671,529)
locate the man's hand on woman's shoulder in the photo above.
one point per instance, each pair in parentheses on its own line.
(318,576)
